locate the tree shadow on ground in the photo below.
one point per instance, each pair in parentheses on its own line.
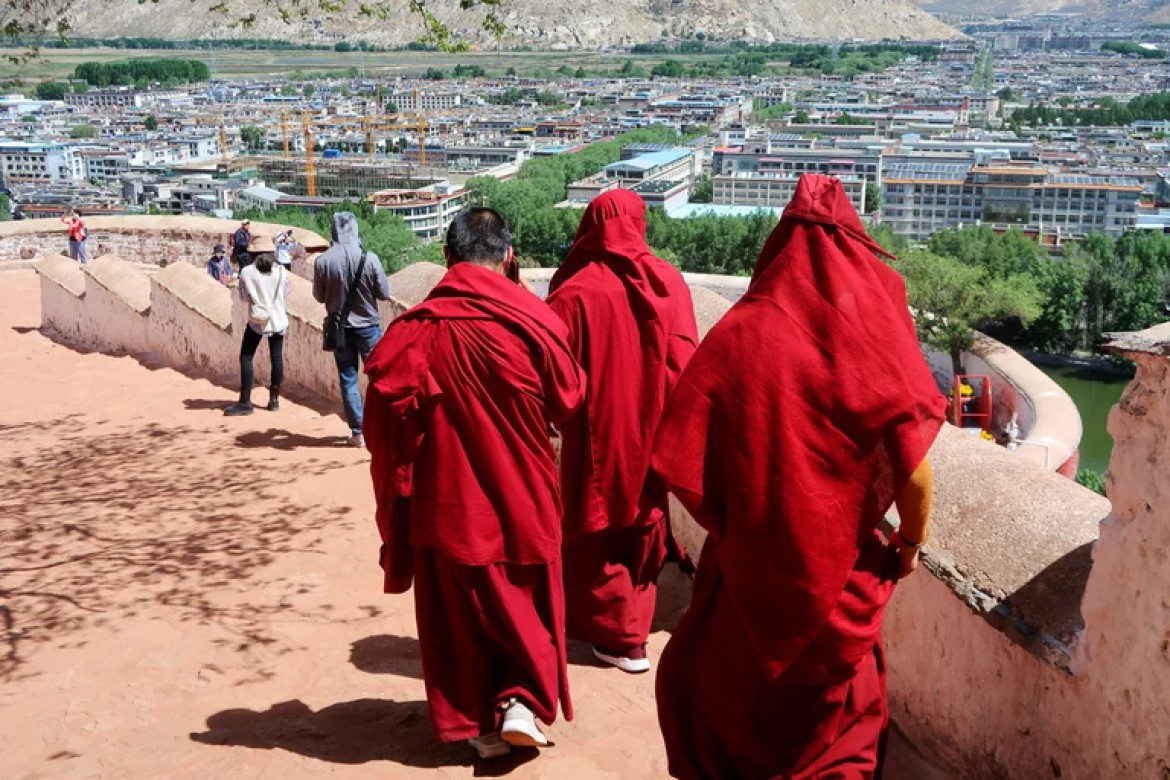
(99,521)
(277,439)
(352,732)
(387,654)
(206,404)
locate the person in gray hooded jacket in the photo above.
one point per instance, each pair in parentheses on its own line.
(335,270)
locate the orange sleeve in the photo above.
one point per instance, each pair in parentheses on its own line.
(914,504)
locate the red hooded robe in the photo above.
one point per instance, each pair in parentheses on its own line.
(632,328)
(798,421)
(462,389)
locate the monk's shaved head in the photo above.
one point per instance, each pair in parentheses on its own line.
(478,236)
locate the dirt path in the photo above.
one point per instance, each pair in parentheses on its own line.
(184,595)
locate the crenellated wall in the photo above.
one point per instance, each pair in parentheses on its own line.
(153,240)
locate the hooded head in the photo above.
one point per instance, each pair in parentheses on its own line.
(345,230)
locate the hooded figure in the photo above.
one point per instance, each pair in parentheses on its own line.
(807,411)
(336,282)
(632,328)
(461,394)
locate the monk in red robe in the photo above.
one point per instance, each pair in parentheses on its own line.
(632,328)
(462,390)
(807,411)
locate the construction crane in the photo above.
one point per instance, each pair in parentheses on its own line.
(223,145)
(284,132)
(310,163)
(420,126)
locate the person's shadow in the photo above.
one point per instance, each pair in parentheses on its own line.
(387,654)
(352,732)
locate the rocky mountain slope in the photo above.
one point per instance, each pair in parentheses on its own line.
(1152,11)
(569,24)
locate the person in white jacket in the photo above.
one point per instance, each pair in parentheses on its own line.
(264,285)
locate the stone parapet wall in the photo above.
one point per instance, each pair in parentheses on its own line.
(155,240)
(117,302)
(190,323)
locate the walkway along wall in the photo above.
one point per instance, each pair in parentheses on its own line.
(995,671)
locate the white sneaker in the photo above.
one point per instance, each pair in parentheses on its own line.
(630,665)
(520,729)
(356,440)
(490,746)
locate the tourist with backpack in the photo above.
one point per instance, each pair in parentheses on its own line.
(350,281)
(264,285)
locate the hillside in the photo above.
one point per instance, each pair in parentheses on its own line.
(568,24)
(1132,11)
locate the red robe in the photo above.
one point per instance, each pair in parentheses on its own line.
(462,390)
(632,328)
(800,418)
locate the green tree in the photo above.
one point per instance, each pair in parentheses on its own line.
(704,190)
(672,69)
(252,137)
(952,300)
(308,91)
(343,46)
(580,73)
(288,90)
(1093,480)
(801,118)
(51,90)
(5,208)
(83,131)
(434,74)
(151,123)
(873,197)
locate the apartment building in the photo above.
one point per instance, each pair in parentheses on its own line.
(24,161)
(116,97)
(413,102)
(919,199)
(774,189)
(768,156)
(104,167)
(427,212)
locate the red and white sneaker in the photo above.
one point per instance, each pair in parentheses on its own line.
(635,661)
(519,728)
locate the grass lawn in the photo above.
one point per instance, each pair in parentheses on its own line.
(242,63)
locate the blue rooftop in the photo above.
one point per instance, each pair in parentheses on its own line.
(645,162)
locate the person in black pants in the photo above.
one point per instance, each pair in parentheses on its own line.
(264,285)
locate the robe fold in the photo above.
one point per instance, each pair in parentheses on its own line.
(802,415)
(632,329)
(462,390)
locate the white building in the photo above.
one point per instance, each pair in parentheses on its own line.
(774,189)
(24,161)
(428,212)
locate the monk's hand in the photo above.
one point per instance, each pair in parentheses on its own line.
(527,285)
(907,554)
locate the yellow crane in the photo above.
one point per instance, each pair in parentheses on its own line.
(223,146)
(284,132)
(420,126)
(310,163)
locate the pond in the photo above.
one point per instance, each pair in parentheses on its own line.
(1094,392)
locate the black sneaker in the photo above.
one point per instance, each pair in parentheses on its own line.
(238,410)
(273,405)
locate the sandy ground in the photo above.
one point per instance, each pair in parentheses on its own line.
(184,595)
